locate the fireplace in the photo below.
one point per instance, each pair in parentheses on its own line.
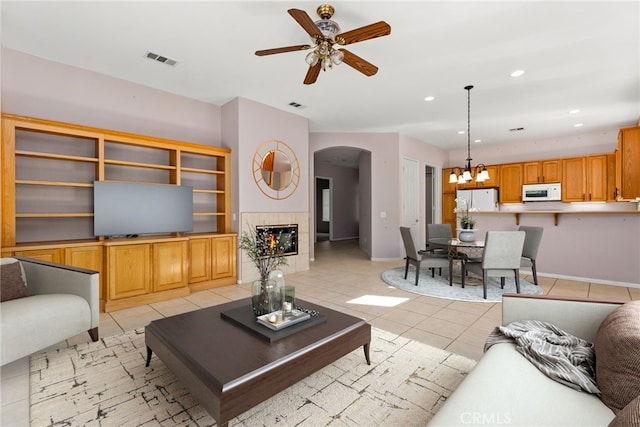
(287,234)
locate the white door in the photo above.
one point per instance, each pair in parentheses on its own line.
(410,192)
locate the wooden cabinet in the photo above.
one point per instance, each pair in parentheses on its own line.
(628,164)
(511,183)
(542,171)
(448,205)
(48,173)
(448,187)
(212,261)
(170,265)
(199,259)
(128,271)
(223,260)
(494,177)
(144,272)
(585,179)
(48,255)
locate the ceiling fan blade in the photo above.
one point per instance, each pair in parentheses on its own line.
(305,22)
(367,32)
(312,74)
(354,61)
(282,49)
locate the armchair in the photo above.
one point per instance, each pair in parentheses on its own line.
(62,301)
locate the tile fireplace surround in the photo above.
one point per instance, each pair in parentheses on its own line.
(300,262)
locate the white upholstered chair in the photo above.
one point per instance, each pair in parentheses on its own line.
(501,258)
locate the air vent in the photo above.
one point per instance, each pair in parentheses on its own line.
(161,58)
(516,129)
(296,105)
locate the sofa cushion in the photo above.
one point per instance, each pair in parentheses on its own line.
(617,356)
(12,283)
(629,416)
(506,389)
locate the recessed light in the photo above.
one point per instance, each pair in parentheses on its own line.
(517,73)
(577,125)
(576,111)
(477,140)
(461,132)
(429,98)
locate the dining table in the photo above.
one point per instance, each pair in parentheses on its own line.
(457,250)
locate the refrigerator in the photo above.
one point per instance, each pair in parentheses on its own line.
(482,199)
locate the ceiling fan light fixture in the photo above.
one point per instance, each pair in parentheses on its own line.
(336,57)
(312,58)
(329,29)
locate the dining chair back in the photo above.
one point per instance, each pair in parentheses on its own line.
(418,258)
(501,258)
(435,231)
(533,236)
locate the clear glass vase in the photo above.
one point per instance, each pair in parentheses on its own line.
(266,297)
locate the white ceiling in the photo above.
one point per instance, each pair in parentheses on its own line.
(577,55)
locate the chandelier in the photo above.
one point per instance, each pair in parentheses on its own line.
(323,50)
(459,175)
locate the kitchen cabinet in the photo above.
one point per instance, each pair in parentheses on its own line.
(584,179)
(448,205)
(542,171)
(511,183)
(628,164)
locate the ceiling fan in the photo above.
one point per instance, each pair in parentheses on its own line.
(325,33)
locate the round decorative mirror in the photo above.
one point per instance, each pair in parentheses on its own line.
(276,169)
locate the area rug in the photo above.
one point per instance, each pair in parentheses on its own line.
(106,383)
(438,286)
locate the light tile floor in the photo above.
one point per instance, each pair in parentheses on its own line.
(340,274)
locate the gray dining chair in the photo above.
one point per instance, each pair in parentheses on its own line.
(419,258)
(501,258)
(438,231)
(435,231)
(532,238)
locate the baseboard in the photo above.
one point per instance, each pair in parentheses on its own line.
(591,280)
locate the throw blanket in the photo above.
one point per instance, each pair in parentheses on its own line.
(562,357)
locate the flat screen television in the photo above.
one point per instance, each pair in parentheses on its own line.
(124,208)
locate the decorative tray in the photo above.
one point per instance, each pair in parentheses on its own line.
(296,316)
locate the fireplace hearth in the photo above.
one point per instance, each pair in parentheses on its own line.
(287,234)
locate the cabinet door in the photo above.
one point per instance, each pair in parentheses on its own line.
(223,260)
(448,187)
(511,183)
(551,171)
(128,270)
(49,255)
(611,177)
(596,178)
(199,260)
(494,177)
(169,265)
(448,205)
(628,163)
(531,173)
(573,180)
(89,257)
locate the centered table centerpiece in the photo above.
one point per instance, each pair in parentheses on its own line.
(267,252)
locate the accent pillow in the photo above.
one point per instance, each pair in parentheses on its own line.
(629,416)
(12,285)
(618,357)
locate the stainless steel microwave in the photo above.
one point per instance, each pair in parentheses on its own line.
(541,192)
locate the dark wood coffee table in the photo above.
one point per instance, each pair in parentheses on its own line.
(229,369)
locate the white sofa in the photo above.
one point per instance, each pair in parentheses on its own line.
(63,301)
(504,388)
